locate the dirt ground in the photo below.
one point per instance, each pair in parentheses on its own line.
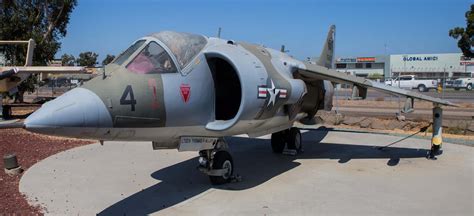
(458,129)
(29,148)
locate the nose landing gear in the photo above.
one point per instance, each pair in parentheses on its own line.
(217,163)
(222,165)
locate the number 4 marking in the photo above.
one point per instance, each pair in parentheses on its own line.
(125,101)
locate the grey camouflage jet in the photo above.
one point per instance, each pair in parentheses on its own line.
(186,91)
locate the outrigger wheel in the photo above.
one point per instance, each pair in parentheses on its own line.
(222,161)
(290,137)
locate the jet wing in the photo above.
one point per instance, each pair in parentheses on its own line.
(23,72)
(44,69)
(313,72)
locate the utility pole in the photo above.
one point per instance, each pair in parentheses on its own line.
(405,57)
(443,86)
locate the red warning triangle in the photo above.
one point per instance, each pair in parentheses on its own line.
(185,92)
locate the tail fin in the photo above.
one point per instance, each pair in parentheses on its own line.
(326,59)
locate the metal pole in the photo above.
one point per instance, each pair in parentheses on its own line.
(345,89)
(219,32)
(399,108)
(405,69)
(391,82)
(337,102)
(1,106)
(38,80)
(437,139)
(444,83)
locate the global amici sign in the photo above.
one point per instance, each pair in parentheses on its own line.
(420,58)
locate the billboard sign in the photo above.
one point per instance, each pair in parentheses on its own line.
(346,60)
(366,59)
(420,58)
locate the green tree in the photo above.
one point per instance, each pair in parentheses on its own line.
(465,36)
(87,59)
(375,76)
(68,60)
(44,21)
(108,59)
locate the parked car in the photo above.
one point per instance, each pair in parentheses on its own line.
(410,82)
(465,83)
(449,84)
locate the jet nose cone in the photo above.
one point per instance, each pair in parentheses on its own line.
(75,112)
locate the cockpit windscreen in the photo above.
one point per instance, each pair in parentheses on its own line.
(125,55)
(152,59)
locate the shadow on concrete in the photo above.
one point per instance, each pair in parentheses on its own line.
(254,161)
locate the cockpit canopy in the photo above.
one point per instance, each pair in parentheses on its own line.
(184,46)
(153,58)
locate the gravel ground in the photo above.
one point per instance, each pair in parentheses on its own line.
(29,148)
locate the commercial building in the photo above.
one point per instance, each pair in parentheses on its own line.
(370,67)
(425,66)
(439,66)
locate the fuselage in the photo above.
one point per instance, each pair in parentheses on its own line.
(169,85)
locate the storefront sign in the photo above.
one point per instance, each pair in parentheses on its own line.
(420,58)
(366,59)
(346,60)
(466,63)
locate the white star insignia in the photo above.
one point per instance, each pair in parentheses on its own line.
(273,93)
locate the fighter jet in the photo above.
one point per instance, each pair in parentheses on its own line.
(187,91)
(12,76)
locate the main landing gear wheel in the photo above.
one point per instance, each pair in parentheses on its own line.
(290,137)
(294,139)
(278,142)
(222,161)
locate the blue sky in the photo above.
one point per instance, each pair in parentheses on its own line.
(364,27)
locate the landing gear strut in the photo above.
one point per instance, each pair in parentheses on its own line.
(7,112)
(217,163)
(289,137)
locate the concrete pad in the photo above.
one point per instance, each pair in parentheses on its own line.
(340,173)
